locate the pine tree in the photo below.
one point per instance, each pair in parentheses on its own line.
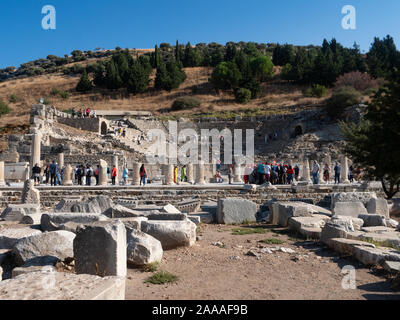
(112,80)
(84,84)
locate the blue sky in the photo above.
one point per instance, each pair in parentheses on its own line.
(87,24)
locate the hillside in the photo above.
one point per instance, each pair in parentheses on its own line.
(276,96)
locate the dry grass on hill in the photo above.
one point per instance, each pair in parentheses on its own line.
(275,98)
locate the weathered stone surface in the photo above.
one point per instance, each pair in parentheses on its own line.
(98,204)
(62,286)
(287,210)
(119,211)
(357,222)
(346,246)
(362,197)
(132,223)
(16,212)
(391,223)
(142,248)
(24,270)
(205,217)
(310,232)
(30,194)
(195,219)
(274,212)
(375,256)
(171,234)
(100,249)
(352,209)
(9,237)
(56,245)
(336,228)
(394,207)
(236,210)
(378,206)
(392,266)
(54,221)
(373,220)
(167,216)
(169,208)
(32,218)
(1,273)
(384,237)
(296,223)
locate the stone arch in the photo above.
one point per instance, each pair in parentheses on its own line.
(298,131)
(104,128)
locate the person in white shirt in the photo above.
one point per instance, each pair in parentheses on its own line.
(315,172)
(267,171)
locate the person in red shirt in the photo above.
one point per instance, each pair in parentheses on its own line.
(290,175)
(113,175)
(143,175)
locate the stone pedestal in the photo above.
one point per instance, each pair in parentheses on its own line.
(68,175)
(2,182)
(344,170)
(237,173)
(168,172)
(103,179)
(114,162)
(136,174)
(60,160)
(190,173)
(35,150)
(200,174)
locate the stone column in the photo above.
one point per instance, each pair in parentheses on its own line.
(321,173)
(114,162)
(168,172)
(60,160)
(35,150)
(190,173)
(2,182)
(237,173)
(136,174)
(103,179)
(68,175)
(200,173)
(344,170)
(305,173)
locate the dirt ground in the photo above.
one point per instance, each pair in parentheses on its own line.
(210,272)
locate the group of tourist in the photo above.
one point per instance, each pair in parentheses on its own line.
(82,113)
(274,173)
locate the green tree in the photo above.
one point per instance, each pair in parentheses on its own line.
(192,57)
(138,78)
(375,143)
(283,55)
(261,67)
(84,85)
(112,78)
(225,76)
(169,76)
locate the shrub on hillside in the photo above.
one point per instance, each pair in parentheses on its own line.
(4,108)
(358,80)
(341,99)
(242,95)
(65,95)
(84,85)
(185,103)
(317,91)
(13,98)
(54,92)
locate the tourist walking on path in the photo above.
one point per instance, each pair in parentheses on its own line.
(315,172)
(230,173)
(47,173)
(113,175)
(125,175)
(337,173)
(89,174)
(53,173)
(183,174)
(143,175)
(97,174)
(351,174)
(290,175)
(175,174)
(36,174)
(327,173)
(261,173)
(267,172)
(296,172)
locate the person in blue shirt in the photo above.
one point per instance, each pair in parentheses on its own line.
(125,175)
(53,173)
(261,173)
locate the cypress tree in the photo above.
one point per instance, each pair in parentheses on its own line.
(84,84)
